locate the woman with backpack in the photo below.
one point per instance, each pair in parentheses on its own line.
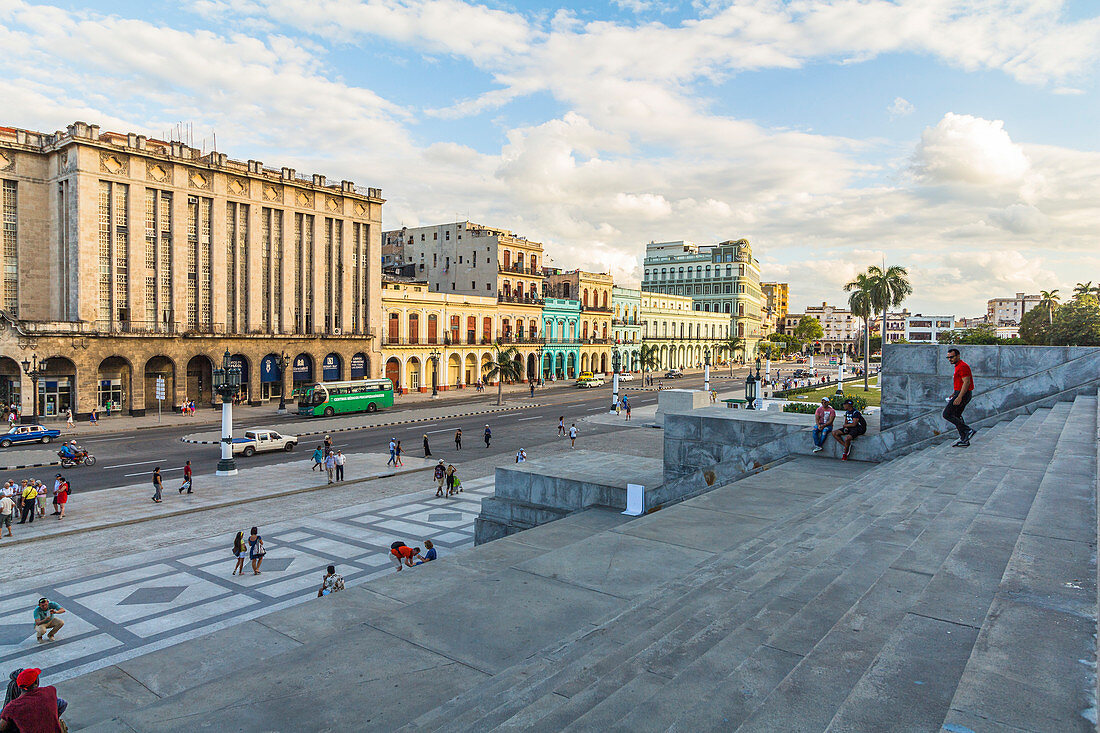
(240,551)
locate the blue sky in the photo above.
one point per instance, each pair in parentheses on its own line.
(956,137)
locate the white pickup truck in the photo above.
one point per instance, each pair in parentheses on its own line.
(258,441)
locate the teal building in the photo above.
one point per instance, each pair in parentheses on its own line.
(561,350)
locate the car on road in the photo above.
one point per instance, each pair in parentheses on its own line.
(262,441)
(802,374)
(592,380)
(626,377)
(28,434)
(673,374)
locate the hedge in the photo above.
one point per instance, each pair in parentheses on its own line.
(837,401)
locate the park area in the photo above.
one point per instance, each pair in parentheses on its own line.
(852,386)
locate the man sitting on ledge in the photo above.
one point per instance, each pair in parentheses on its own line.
(854,426)
(823,424)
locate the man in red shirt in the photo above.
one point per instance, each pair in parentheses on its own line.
(964,387)
(402,553)
(36,710)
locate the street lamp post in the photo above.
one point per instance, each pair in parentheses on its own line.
(435,372)
(616,364)
(751,387)
(706,369)
(35,369)
(284,362)
(227,380)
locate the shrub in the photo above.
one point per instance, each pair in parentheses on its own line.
(836,401)
(803,409)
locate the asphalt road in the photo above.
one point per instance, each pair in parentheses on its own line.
(129,457)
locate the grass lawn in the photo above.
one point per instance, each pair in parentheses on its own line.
(851,386)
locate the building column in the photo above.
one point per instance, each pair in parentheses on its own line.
(254,285)
(345,274)
(179,262)
(219,274)
(136,256)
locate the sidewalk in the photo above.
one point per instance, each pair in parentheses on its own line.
(129,504)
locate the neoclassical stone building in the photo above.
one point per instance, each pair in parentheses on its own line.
(126,259)
(682,334)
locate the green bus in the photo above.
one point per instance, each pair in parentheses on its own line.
(331,398)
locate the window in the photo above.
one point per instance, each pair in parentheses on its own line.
(11,249)
(114,282)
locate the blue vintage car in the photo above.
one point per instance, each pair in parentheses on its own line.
(28,434)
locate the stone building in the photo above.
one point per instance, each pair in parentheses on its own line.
(841,330)
(1009,311)
(561,350)
(423,326)
(128,258)
(721,278)
(681,333)
(593,290)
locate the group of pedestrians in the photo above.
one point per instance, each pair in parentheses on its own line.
(446,476)
(403,555)
(395,453)
(185,487)
(29,498)
(329,460)
(250,548)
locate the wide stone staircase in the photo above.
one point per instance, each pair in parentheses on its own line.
(948,589)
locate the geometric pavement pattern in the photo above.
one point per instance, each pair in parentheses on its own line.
(152,600)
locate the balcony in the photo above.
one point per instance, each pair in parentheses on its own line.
(519,300)
(595,309)
(521,270)
(145,327)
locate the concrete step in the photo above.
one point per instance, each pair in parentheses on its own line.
(610,673)
(1045,607)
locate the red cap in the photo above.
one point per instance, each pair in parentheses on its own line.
(28,677)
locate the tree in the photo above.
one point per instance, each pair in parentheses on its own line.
(648,356)
(1077,323)
(1035,327)
(808,329)
(875,344)
(503,366)
(730,346)
(888,288)
(860,303)
(1048,301)
(785,341)
(1085,289)
(985,334)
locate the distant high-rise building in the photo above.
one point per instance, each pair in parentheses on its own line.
(1009,311)
(777,297)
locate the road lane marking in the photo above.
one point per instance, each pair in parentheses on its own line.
(104,440)
(139,463)
(536,417)
(146,473)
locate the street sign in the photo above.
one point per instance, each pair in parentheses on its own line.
(160,395)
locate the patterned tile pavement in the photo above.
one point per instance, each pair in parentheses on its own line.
(152,600)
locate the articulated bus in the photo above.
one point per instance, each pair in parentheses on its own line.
(331,398)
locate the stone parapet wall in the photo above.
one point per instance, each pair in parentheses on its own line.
(916,378)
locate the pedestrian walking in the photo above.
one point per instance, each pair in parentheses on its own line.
(186,478)
(328,444)
(397,455)
(573,435)
(30,496)
(256,550)
(318,459)
(452,479)
(488,435)
(561,426)
(46,621)
(93,418)
(532,389)
(393,453)
(439,475)
(7,511)
(157,485)
(62,497)
(340,460)
(626,405)
(240,552)
(427,450)
(458,439)
(330,467)
(69,417)
(108,406)
(963,386)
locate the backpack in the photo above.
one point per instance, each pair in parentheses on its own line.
(13,690)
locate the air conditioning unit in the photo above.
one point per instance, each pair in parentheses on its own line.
(336,332)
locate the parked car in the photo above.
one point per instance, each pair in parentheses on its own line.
(802,374)
(261,441)
(28,434)
(673,374)
(591,381)
(626,377)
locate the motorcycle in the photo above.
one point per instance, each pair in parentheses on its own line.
(84,457)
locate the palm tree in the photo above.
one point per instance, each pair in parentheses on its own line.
(1049,299)
(888,287)
(731,345)
(861,305)
(1084,289)
(648,357)
(503,366)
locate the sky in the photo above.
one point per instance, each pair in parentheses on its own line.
(957,138)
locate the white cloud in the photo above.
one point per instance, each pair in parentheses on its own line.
(966,149)
(900,107)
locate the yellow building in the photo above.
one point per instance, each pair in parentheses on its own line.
(421,327)
(777,303)
(681,333)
